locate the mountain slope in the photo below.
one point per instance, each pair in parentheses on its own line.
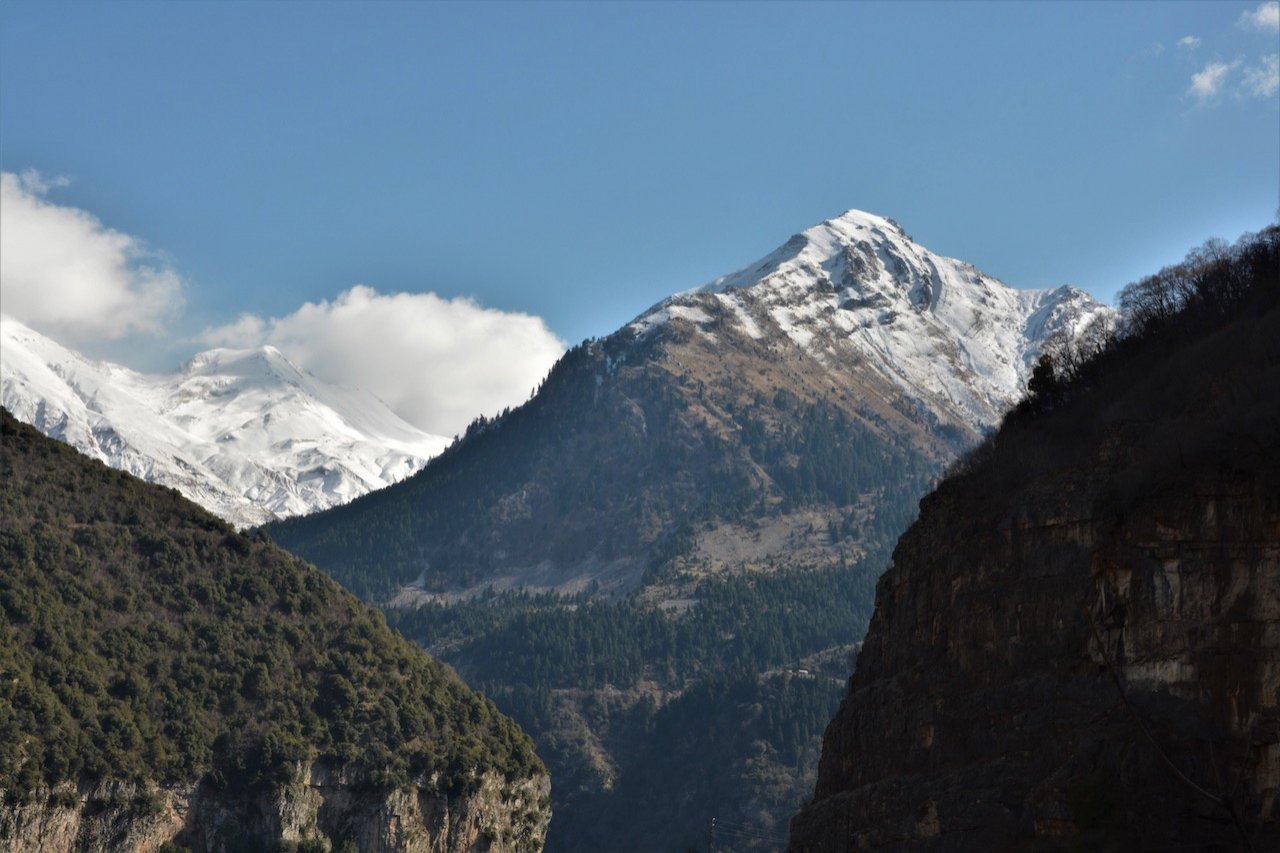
(246,434)
(717,485)
(166,678)
(815,390)
(1076,646)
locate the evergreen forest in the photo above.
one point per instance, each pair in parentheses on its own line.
(143,640)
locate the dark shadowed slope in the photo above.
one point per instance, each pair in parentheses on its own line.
(1078,643)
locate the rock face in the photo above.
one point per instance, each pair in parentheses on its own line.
(321,809)
(1078,643)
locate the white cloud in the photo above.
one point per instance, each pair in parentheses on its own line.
(1207,82)
(1263,80)
(1189,42)
(436,362)
(1266,17)
(65,273)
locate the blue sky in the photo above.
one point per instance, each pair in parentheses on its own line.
(578,162)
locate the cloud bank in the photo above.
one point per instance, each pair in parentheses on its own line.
(65,273)
(438,363)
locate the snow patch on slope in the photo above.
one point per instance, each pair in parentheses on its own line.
(667,313)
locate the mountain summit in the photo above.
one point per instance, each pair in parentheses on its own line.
(245,433)
(857,291)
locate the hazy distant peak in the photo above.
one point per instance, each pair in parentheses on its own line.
(244,432)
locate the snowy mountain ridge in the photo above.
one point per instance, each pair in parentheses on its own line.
(850,306)
(856,291)
(245,433)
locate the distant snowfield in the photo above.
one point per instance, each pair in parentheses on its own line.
(244,433)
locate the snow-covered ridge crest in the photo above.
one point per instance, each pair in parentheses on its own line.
(814,247)
(857,293)
(245,433)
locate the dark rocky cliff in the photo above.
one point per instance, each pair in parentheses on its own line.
(1078,643)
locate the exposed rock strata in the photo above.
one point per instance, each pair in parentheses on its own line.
(322,808)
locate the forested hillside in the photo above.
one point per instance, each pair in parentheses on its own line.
(729,512)
(653,722)
(144,642)
(608,484)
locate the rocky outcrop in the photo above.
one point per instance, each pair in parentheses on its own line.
(320,810)
(1066,678)
(1078,643)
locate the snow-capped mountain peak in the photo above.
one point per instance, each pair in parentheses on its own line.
(262,361)
(856,291)
(820,248)
(246,433)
